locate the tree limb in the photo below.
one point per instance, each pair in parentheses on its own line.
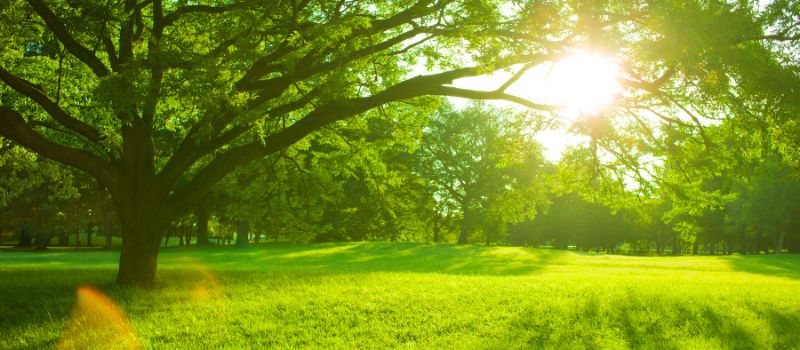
(13,126)
(489,95)
(33,92)
(60,31)
(324,115)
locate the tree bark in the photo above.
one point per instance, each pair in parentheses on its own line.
(63,238)
(463,237)
(109,240)
(42,240)
(25,238)
(779,245)
(676,247)
(77,238)
(242,233)
(202,225)
(144,220)
(436,228)
(138,259)
(108,234)
(89,231)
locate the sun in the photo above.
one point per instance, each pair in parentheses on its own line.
(583,82)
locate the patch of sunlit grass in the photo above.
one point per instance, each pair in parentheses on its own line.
(374,295)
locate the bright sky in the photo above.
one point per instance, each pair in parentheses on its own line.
(581,83)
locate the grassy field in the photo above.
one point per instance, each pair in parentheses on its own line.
(409,296)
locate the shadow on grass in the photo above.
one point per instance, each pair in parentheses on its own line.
(783,265)
(377,257)
(638,322)
(36,305)
(40,300)
(37,289)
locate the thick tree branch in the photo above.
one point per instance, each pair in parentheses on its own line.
(489,95)
(126,34)
(515,77)
(778,37)
(33,92)
(284,81)
(111,50)
(13,126)
(192,150)
(156,71)
(60,31)
(324,115)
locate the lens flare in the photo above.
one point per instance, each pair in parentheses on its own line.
(207,286)
(97,322)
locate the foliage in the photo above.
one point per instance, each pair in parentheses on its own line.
(482,163)
(159,101)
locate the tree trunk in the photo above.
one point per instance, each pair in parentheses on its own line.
(188,234)
(89,231)
(139,257)
(436,228)
(463,236)
(779,245)
(63,238)
(107,229)
(109,239)
(242,233)
(42,240)
(202,225)
(676,247)
(144,220)
(25,238)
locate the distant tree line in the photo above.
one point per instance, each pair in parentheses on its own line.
(468,175)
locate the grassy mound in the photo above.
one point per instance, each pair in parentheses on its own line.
(372,295)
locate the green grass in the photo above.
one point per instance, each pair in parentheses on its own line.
(411,296)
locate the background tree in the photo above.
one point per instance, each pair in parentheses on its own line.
(35,197)
(482,161)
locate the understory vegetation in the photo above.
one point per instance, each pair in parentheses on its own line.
(373,295)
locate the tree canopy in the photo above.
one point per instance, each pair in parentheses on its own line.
(159,101)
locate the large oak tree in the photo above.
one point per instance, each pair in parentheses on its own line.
(159,100)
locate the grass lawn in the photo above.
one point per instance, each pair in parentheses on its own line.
(378,295)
